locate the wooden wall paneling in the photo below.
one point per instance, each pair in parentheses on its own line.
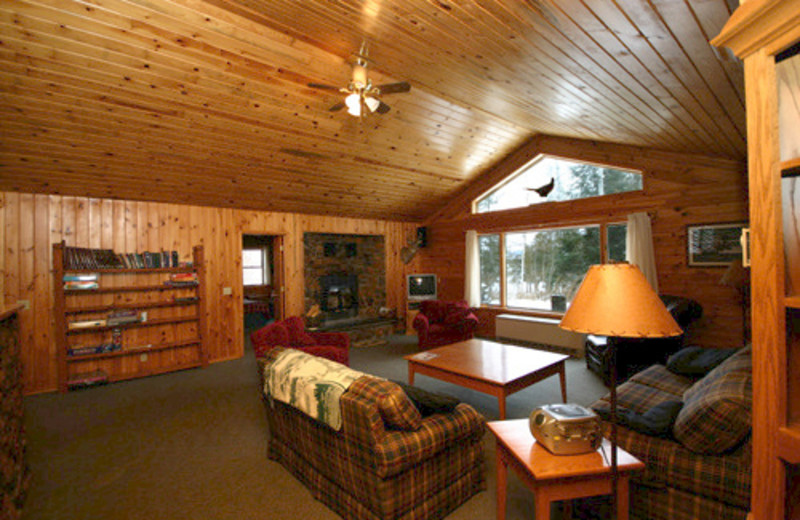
(42,288)
(32,223)
(26,260)
(2,249)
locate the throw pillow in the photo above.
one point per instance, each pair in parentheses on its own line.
(697,361)
(716,413)
(657,421)
(397,410)
(429,403)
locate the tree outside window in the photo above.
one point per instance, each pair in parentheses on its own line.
(545,268)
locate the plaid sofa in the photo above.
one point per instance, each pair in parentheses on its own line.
(387,462)
(701,470)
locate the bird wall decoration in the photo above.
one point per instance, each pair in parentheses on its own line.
(544,191)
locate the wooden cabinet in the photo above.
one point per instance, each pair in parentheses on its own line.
(765,34)
(124,323)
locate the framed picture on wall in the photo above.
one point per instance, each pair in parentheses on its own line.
(714,245)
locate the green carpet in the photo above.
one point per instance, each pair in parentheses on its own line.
(192,445)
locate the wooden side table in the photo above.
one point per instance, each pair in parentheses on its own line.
(557,477)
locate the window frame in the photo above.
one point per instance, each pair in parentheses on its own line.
(265,275)
(503,305)
(540,157)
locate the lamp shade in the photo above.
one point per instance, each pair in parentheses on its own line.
(616,300)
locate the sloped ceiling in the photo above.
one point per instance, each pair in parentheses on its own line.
(207,102)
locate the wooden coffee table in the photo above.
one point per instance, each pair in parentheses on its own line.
(557,477)
(489,367)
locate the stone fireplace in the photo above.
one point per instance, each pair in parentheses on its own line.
(345,275)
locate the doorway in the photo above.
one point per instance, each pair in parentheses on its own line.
(262,280)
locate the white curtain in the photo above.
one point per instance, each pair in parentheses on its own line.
(472,278)
(639,245)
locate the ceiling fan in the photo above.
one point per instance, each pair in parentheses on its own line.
(362,96)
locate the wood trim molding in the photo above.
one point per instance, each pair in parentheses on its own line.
(758,23)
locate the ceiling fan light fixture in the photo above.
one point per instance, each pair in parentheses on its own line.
(372,103)
(353,102)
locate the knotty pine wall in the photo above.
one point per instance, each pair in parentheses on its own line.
(679,190)
(31,223)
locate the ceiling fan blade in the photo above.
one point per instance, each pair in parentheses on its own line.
(394,88)
(336,107)
(323,87)
(383,108)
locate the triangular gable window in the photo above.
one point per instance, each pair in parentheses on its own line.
(570,180)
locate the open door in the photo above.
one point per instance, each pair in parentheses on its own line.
(262,277)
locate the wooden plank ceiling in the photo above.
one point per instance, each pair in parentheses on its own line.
(206,102)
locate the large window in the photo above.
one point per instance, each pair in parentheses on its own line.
(570,180)
(254,266)
(540,270)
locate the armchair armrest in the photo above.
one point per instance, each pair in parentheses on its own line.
(420,322)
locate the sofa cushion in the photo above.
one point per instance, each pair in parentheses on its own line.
(397,410)
(429,403)
(716,414)
(697,361)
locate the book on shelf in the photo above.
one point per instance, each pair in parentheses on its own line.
(84,379)
(86,324)
(82,350)
(184,299)
(88,277)
(182,279)
(122,318)
(80,286)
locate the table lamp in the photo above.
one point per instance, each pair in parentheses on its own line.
(617,301)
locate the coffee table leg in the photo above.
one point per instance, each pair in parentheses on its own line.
(501,401)
(562,376)
(411,375)
(502,474)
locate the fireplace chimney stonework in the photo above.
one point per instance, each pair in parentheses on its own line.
(345,275)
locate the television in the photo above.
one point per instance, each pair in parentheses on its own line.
(421,287)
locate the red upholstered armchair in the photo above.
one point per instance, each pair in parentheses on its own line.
(442,322)
(291,333)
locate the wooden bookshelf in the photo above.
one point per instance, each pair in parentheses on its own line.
(170,338)
(765,34)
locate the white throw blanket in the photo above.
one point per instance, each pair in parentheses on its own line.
(310,383)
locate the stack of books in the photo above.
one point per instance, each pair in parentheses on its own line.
(80,281)
(122,317)
(81,350)
(180,279)
(98,377)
